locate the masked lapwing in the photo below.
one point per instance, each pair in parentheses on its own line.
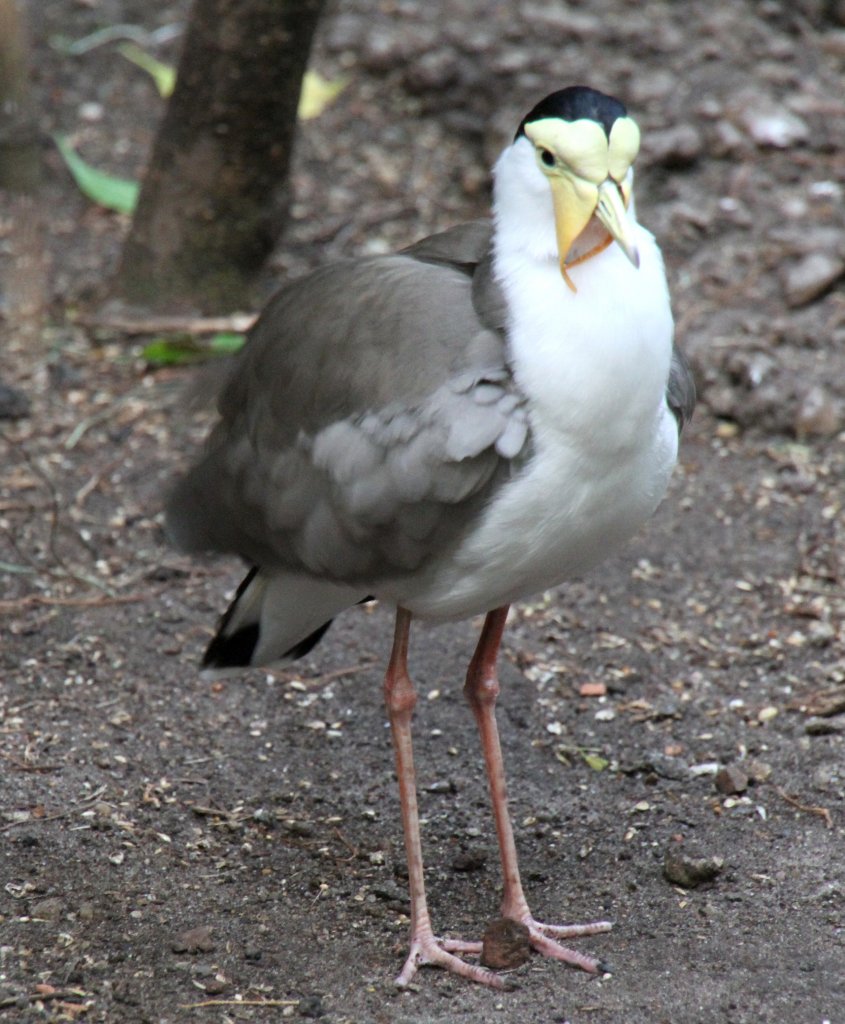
(450,429)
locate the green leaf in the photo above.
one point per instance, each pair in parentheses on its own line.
(226,343)
(185,350)
(163,75)
(317,93)
(120,194)
(594,761)
(178,351)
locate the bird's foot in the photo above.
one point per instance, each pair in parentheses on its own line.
(543,938)
(426,949)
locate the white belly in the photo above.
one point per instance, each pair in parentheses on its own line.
(605,441)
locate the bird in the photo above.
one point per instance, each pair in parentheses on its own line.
(450,429)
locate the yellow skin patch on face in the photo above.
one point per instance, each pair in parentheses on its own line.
(587,173)
(583,148)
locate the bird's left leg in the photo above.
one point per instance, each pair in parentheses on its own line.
(400,698)
(481,690)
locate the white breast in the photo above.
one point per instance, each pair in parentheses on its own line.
(595,365)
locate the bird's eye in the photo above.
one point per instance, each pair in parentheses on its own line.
(547,157)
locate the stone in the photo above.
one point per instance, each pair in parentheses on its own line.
(505,944)
(731,780)
(690,871)
(768,122)
(14,405)
(193,940)
(810,277)
(818,414)
(675,147)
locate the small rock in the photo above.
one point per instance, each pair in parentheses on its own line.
(47,910)
(759,771)
(730,780)
(810,277)
(689,872)
(87,912)
(311,1006)
(769,123)
(829,778)
(298,828)
(823,726)
(505,944)
(818,414)
(728,139)
(470,860)
(193,940)
(436,70)
(14,404)
(216,985)
(675,147)
(442,786)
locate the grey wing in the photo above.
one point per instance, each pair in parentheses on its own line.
(363,426)
(680,390)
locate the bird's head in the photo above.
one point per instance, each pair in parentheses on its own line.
(584,145)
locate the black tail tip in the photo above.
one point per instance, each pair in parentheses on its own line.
(235,650)
(232,650)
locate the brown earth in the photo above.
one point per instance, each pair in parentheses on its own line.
(174,849)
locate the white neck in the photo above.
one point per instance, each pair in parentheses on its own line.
(522,203)
(597,355)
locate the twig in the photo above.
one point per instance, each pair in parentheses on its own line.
(24,767)
(37,997)
(237,323)
(317,682)
(238,1002)
(353,850)
(81,806)
(821,812)
(69,602)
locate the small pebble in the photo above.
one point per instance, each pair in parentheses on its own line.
(193,940)
(675,147)
(469,861)
(14,404)
(311,1006)
(769,122)
(730,780)
(47,910)
(688,871)
(810,277)
(823,726)
(505,944)
(818,414)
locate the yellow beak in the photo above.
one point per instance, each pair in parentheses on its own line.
(611,211)
(575,202)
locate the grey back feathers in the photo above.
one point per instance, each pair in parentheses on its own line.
(680,391)
(357,446)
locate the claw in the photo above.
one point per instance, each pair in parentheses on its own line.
(426,949)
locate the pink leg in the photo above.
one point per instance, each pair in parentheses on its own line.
(482,689)
(400,699)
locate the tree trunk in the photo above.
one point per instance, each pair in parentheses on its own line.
(215,197)
(20,156)
(23,265)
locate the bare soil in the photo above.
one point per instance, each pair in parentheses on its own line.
(174,849)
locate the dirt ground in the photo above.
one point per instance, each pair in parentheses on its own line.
(174,849)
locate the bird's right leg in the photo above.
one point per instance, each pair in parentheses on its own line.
(482,689)
(400,698)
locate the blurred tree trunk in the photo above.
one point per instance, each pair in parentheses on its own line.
(23,264)
(19,146)
(215,197)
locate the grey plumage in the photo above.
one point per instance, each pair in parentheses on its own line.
(296,476)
